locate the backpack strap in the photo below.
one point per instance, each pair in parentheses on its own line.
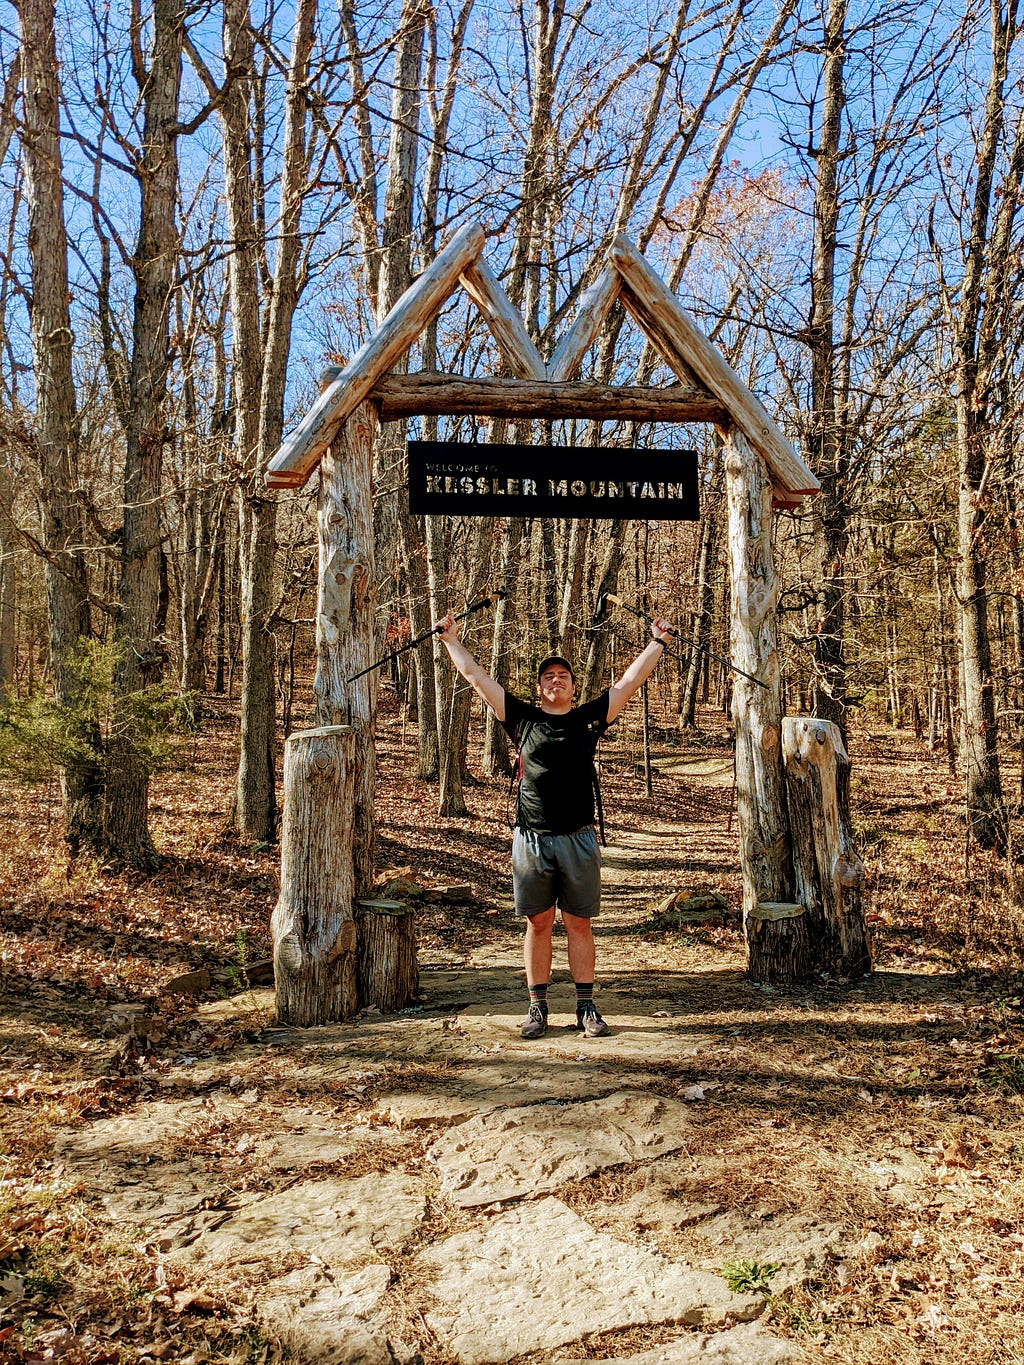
(522,735)
(600,806)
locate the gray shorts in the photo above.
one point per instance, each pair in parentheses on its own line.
(556,869)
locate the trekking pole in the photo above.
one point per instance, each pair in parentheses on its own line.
(427,634)
(701,649)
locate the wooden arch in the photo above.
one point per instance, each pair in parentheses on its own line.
(328,813)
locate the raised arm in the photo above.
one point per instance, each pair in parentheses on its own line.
(482,683)
(638,671)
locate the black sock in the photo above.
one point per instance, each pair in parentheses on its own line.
(539,996)
(584,994)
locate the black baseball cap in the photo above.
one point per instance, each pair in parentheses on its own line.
(554,659)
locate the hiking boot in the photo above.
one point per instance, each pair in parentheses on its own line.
(589,1022)
(535,1022)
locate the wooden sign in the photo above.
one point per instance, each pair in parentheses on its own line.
(449,479)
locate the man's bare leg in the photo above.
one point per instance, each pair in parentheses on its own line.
(582,958)
(537,947)
(537,961)
(582,954)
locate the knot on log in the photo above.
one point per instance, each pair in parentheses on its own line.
(848,870)
(289,953)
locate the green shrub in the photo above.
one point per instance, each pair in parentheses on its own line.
(96,729)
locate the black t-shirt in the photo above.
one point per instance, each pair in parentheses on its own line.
(556,794)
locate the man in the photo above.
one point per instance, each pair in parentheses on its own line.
(556,859)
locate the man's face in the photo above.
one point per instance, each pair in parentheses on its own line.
(556,686)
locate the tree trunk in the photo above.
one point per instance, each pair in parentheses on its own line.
(828,872)
(497,754)
(757,712)
(389,976)
(827,446)
(346,612)
(596,665)
(312,925)
(700,629)
(57,427)
(140,660)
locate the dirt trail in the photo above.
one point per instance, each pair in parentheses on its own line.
(429,1186)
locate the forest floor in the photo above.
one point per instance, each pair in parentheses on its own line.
(834,1173)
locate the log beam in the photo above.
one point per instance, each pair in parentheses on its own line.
(484,288)
(300,453)
(673,332)
(427,395)
(595,306)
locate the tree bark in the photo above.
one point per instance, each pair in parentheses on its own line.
(313,926)
(346,612)
(827,447)
(828,872)
(757,711)
(389,975)
(497,760)
(57,425)
(140,659)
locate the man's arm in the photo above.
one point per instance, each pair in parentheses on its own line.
(482,683)
(638,672)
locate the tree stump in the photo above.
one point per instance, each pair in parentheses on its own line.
(388,973)
(828,873)
(778,943)
(313,926)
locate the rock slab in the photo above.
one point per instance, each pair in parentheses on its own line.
(537,1277)
(340,1222)
(514,1153)
(746,1344)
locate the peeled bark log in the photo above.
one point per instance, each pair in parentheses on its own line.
(389,975)
(345,613)
(757,711)
(828,872)
(313,926)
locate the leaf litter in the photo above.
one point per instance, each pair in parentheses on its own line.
(890,1106)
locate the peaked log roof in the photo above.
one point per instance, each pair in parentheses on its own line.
(711,388)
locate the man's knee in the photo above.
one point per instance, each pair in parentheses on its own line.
(578,926)
(541,923)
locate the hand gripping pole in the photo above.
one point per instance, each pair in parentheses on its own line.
(700,649)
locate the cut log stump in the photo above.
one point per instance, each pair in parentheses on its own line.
(389,975)
(828,875)
(313,925)
(778,943)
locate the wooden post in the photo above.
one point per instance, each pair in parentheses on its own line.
(776,944)
(345,614)
(312,925)
(829,875)
(389,975)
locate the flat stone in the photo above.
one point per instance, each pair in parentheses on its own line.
(342,1222)
(188,983)
(745,1344)
(537,1277)
(802,1248)
(330,1320)
(514,1153)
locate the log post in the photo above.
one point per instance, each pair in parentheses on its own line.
(389,976)
(828,872)
(345,614)
(312,925)
(776,945)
